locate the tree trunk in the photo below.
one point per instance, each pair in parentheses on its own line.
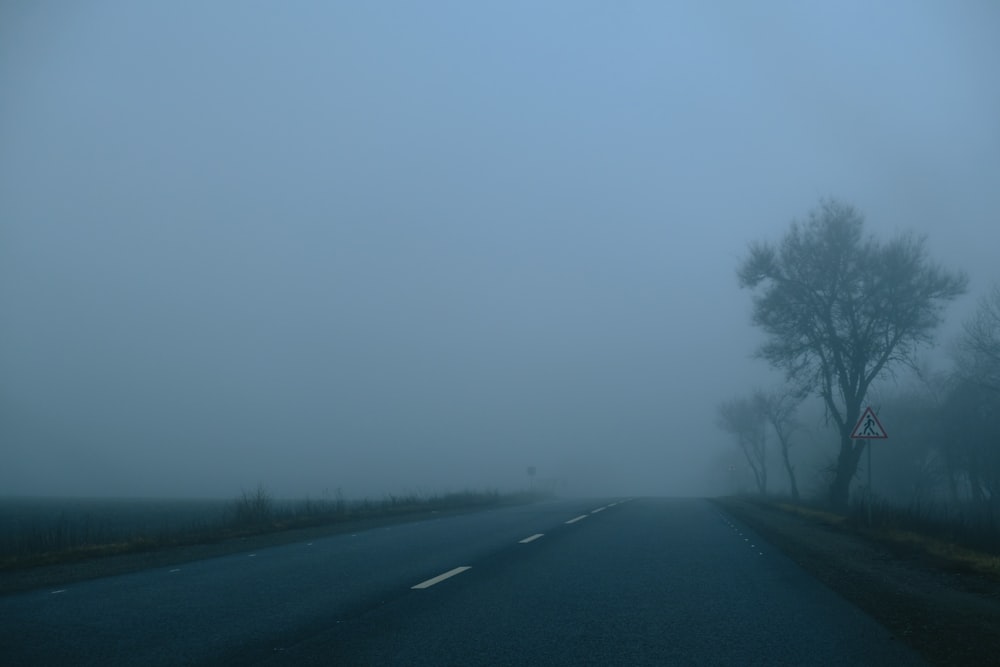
(759,476)
(850,454)
(791,472)
(847,465)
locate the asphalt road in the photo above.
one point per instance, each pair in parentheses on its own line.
(569,582)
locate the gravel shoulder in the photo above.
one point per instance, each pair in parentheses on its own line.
(949,616)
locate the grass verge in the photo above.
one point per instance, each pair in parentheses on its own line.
(953,547)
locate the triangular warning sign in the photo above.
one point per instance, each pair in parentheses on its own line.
(868,427)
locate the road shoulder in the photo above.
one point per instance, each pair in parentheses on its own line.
(950,617)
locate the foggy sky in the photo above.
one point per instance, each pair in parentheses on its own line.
(388,247)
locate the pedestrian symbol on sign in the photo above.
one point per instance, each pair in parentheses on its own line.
(869,421)
(868,427)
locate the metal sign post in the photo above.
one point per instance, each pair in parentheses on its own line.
(870,494)
(869,428)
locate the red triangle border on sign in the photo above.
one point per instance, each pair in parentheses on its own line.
(869,429)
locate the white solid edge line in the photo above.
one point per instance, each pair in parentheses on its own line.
(531,539)
(441,577)
(579,518)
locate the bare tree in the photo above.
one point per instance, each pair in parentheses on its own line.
(840,308)
(971,411)
(971,415)
(778,410)
(912,466)
(742,418)
(979,346)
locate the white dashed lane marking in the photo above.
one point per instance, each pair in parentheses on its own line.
(740,533)
(531,539)
(441,577)
(579,518)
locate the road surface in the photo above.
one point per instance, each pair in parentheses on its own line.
(566,582)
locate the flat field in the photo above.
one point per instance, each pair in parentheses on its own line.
(32,527)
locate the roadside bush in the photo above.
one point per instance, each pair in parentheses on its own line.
(253,509)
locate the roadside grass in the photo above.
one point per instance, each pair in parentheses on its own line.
(952,539)
(957,556)
(811,512)
(44,533)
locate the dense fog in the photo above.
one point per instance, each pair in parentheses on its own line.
(371,248)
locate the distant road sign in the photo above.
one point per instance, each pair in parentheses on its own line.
(869,427)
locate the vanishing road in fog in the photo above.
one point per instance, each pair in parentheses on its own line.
(631,582)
